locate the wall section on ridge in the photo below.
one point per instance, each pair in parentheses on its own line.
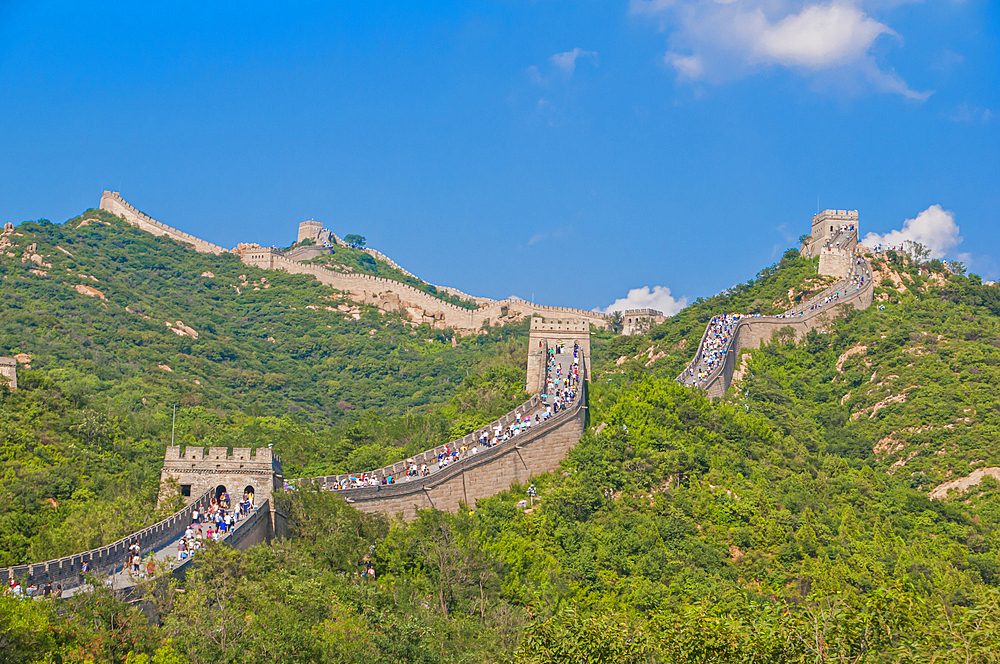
(752,332)
(111,201)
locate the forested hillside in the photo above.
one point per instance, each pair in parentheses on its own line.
(116,327)
(789,522)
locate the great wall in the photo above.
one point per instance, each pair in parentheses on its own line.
(365,289)
(835,241)
(537,450)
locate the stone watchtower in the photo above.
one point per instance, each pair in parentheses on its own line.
(638,321)
(309,230)
(546,333)
(195,472)
(834,239)
(8,373)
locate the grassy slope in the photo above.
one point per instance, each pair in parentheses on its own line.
(742,530)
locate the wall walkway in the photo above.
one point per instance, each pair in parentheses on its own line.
(752,332)
(111,201)
(362,287)
(104,560)
(390,294)
(538,450)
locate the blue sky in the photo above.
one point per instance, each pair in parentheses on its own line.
(566,151)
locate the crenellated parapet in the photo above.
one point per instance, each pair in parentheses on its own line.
(855,291)
(111,201)
(480,474)
(193,470)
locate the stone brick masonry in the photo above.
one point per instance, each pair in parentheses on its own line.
(194,472)
(481,475)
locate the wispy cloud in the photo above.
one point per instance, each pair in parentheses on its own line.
(658,298)
(555,232)
(725,39)
(968,113)
(567,61)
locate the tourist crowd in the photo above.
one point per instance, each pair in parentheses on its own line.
(15,589)
(560,390)
(722,327)
(210,524)
(713,350)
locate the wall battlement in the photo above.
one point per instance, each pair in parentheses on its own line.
(638,321)
(367,289)
(111,201)
(193,471)
(363,288)
(826,227)
(751,332)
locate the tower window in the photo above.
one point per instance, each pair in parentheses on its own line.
(185,489)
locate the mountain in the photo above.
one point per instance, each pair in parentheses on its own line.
(799,518)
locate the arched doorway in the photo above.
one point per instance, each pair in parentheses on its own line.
(248,496)
(222,496)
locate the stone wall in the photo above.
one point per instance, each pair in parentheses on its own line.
(825,225)
(111,201)
(393,295)
(8,373)
(480,475)
(835,262)
(546,333)
(639,321)
(103,560)
(309,230)
(363,288)
(752,332)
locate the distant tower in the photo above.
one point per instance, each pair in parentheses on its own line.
(8,373)
(638,321)
(834,239)
(309,230)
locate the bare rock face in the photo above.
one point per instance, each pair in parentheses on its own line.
(89,291)
(182,330)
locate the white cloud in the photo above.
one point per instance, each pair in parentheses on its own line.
(658,298)
(567,61)
(935,228)
(819,36)
(724,39)
(689,66)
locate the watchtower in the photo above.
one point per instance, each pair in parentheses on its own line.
(195,472)
(309,230)
(8,373)
(546,333)
(826,226)
(262,257)
(638,321)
